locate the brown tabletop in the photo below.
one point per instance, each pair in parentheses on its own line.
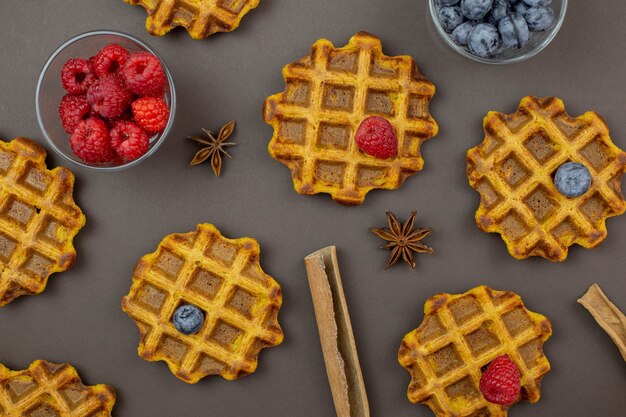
(78,318)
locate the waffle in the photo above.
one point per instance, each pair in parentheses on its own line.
(328,94)
(201,18)
(461,335)
(38,219)
(513,169)
(50,390)
(224,279)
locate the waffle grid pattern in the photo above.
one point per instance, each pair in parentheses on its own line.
(201,18)
(51,390)
(38,219)
(462,334)
(223,278)
(328,94)
(513,172)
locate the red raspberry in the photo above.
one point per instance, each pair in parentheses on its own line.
(129,140)
(77,76)
(144,74)
(109,60)
(500,384)
(72,110)
(375,136)
(109,96)
(91,141)
(151,113)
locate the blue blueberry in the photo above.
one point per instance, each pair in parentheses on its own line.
(521,8)
(514,31)
(475,9)
(483,40)
(450,17)
(533,3)
(498,11)
(460,34)
(188,319)
(448,2)
(572,179)
(539,18)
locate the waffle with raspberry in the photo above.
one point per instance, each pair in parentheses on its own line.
(224,279)
(513,169)
(51,390)
(459,337)
(38,219)
(201,18)
(328,94)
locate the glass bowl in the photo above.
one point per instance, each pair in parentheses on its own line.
(538,40)
(50,92)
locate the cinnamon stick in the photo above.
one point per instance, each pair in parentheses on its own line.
(607,315)
(335,329)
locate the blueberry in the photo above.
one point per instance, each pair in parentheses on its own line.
(450,17)
(514,31)
(539,18)
(188,319)
(498,11)
(533,3)
(459,35)
(572,179)
(483,40)
(447,2)
(475,9)
(521,8)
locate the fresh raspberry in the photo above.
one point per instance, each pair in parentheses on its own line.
(109,60)
(129,140)
(144,74)
(91,141)
(77,76)
(72,110)
(109,96)
(500,384)
(375,136)
(151,113)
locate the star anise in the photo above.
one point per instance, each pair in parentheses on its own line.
(403,240)
(214,147)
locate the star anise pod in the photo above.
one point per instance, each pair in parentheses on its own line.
(214,147)
(403,240)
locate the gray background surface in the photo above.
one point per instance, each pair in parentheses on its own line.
(78,318)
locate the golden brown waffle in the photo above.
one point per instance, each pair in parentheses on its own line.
(50,390)
(328,94)
(460,335)
(224,279)
(38,219)
(201,18)
(513,171)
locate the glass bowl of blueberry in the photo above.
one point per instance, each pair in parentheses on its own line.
(498,31)
(105,101)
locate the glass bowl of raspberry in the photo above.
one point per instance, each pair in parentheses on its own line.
(105,101)
(498,31)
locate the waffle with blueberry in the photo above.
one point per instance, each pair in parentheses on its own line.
(329,93)
(201,18)
(459,337)
(204,305)
(546,180)
(51,390)
(38,219)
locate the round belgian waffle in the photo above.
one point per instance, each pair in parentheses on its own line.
(224,279)
(513,171)
(51,390)
(460,335)
(328,94)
